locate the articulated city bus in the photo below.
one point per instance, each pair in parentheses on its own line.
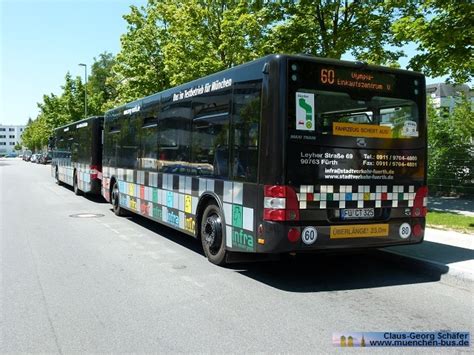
(77,155)
(280,155)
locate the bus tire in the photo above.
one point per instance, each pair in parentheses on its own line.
(77,192)
(212,236)
(115,200)
(56,175)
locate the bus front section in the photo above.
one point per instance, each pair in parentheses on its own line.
(355,152)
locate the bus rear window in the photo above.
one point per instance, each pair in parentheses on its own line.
(339,114)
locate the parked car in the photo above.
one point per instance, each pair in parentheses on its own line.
(27,155)
(34,158)
(11,155)
(45,158)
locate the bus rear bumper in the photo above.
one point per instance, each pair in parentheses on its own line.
(342,236)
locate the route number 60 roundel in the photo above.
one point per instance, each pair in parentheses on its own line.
(309,235)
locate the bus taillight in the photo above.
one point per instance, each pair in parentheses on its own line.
(420,202)
(280,203)
(417,230)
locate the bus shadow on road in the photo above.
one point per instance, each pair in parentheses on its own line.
(90,197)
(336,272)
(318,272)
(163,231)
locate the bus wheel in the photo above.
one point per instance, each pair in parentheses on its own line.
(74,185)
(57,177)
(212,238)
(115,198)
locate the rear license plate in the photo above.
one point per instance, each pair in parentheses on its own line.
(357,213)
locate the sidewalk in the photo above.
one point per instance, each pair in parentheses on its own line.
(449,254)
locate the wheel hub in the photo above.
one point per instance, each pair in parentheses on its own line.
(212,232)
(114,196)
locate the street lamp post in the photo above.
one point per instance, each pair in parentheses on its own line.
(85,88)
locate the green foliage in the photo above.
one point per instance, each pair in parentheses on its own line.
(205,36)
(444,32)
(332,28)
(169,42)
(68,107)
(139,67)
(54,112)
(191,48)
(101,90)
(449,220)
(36,133)
(244,31)
(450,149)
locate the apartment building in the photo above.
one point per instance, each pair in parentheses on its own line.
(10,135)
(444,96)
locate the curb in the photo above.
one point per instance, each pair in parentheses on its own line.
(449,275)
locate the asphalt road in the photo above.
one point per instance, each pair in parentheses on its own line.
(110,284)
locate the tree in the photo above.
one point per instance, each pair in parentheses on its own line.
(206,36)
(443,31)
(245,28)
(332,28)
(101,89)
(68,107)
(139,67)
(169,42)
(450,149)
(35,135)
(191,49)
(55,111)
(72,99)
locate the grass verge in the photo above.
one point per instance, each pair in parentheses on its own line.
(449,220)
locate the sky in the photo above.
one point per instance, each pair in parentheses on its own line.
(41,40)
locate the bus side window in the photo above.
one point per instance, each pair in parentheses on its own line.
(148,142)
(125,147)
(245,123)
(111,148)
(210,151)
(51,142)
(174,135)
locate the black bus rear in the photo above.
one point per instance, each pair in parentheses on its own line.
(354,157)
(77,155)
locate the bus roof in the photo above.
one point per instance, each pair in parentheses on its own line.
(76,122)
(259,63)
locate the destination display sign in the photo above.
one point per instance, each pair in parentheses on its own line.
(356,79)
